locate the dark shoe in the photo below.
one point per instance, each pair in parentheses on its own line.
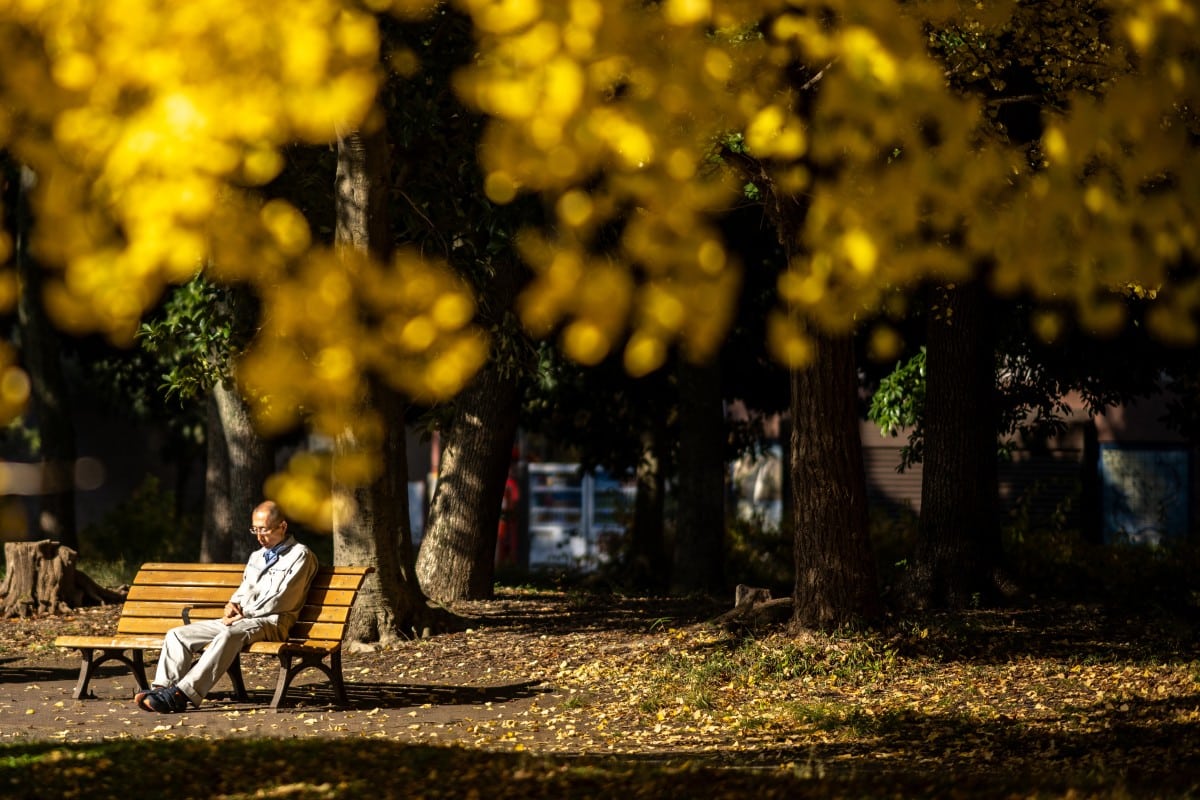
(140,697)
(167,700)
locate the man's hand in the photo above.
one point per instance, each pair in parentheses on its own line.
(233,612)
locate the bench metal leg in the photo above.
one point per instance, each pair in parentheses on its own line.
(94,657)
(335,677)
(289,670)
(235,676)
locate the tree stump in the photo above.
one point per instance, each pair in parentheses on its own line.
(753,610)
(41,578)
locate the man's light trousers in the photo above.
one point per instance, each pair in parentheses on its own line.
(175,667)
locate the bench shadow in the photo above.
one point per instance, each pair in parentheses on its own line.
(366,696)
(35,674)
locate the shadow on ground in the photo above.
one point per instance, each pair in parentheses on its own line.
(363,696)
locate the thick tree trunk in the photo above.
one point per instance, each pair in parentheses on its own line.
(216,538)
(457,558)
(371,524)
(251,461)
(650,566)
(836,581)
(414,616)
(958,550)
(48,397)
(368,522)
(41,578)
(700,527)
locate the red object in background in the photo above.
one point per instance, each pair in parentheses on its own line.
(506,537)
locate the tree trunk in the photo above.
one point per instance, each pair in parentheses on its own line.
(216,539)
(251,462)
(371,524)
(700,526)
(49,401)
(836,581)
(457,558)
(41,578)
(650,567)
(371,528)
(835,576)
(958,548)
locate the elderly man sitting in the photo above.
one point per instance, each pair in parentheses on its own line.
(263,607)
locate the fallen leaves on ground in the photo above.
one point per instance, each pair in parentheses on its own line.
(603,689)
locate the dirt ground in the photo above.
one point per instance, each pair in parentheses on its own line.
(494,685)
(1043,701)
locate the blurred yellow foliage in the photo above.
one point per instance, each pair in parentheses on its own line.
(898,179)
(149,123)
(14,385)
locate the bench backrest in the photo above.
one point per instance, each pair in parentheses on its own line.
(161,591)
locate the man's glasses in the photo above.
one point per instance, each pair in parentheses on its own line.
(260,531)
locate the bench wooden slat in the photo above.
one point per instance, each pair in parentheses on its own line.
(190,594)
(313,645)
(146,626)
(150,626)
(181,566)
(310,613)
(331,597)
(220,595)
(347,580)
(98,642)
(328,631)
(160,592)
(161,578)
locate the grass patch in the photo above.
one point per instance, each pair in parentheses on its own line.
(698,677)
(109,573)
(577,701)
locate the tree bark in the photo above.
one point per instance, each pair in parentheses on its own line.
(368,522)
(370,525)
(958,548)
(49,402)
(650,566)
(836,581)
(216,538)
(41,578)
(700,525)
(251,461)
(457,557)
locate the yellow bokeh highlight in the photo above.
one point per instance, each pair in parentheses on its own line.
(1047,326)
(774,133)
(644,353)
(304,491)
(500,188)
(1055,143)
(586,342)
(14,385)
(788,342)
(687,12)
(575,208)
(860,250)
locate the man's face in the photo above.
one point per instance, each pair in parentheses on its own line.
(268,535)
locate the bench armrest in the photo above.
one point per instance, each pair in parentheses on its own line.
(186,611)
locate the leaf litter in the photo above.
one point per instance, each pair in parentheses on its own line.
(1048,700)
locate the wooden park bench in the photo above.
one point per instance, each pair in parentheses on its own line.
(164,596)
